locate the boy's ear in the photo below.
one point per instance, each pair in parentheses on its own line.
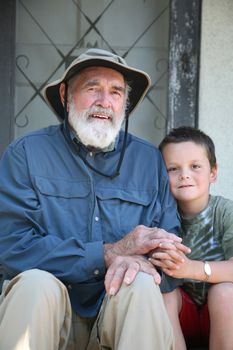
(213,174)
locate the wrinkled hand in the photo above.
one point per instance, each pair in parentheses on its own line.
(139,241)
(172,259)
(124,270)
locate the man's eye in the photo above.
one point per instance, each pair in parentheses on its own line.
(116,93)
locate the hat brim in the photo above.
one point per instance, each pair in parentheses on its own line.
(138,80)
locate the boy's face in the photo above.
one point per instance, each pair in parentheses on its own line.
(190,174)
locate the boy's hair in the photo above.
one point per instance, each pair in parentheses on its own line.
(187,133)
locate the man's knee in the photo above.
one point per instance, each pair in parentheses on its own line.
(144,284)
(37,284)
(137,306)
(36,304)
(143,288)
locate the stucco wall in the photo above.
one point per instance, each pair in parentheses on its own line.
(216,87)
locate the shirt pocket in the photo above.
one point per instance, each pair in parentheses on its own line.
(121,210)
(65,205)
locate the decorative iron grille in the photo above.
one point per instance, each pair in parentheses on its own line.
(135,29)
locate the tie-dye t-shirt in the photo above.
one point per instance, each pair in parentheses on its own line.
(210,236)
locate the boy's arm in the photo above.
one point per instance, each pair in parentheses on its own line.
(183,267)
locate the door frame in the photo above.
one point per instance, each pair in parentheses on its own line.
(7,71)
(184,63)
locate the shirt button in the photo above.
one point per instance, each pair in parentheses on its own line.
(69,286)
(97,218)
(90,154)
(96,272)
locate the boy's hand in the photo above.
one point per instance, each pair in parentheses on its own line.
(171,258)
(178,270)
(170,251)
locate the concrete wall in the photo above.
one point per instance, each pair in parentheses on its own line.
(216,87)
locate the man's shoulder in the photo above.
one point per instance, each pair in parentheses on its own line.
(36,136)
(146,154)
(144,145)
(141,141)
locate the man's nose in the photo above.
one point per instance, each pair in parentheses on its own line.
(103,100)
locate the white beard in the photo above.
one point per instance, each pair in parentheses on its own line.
(93,132)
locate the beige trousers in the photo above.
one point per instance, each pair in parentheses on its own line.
(35,314)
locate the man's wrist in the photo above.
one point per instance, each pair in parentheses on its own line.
(109,253)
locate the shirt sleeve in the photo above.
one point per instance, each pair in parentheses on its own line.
(24,243)
(169,219)
(224,217)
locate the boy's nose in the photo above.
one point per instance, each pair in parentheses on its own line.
(184,175)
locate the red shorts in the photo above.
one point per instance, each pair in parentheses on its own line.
(195,322)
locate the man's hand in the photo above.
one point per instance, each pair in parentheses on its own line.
(139,241)
(124,270)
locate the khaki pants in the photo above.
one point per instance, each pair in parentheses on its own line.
(35,314)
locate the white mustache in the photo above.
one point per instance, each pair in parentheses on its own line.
(100,110)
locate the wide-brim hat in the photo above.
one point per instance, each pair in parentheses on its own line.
(138,80)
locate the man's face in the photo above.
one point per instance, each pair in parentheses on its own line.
(96,103)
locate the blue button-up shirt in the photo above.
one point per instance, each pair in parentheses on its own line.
(56,213)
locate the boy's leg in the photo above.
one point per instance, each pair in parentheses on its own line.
(35,312)
(173,303)
(190,320)
(220,303)
(134,319)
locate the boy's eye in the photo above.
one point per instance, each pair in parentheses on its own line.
(173,168)
(196,166)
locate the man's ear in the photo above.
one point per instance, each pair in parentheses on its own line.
(62,93)
(62,89)
(213,174)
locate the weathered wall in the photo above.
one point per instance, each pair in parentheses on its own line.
(185,17)
(216,87)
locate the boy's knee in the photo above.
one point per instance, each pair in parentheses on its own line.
(173,300)
(221,293)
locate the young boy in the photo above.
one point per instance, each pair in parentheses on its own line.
(202,309)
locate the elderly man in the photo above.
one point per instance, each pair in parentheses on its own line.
(81,206)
